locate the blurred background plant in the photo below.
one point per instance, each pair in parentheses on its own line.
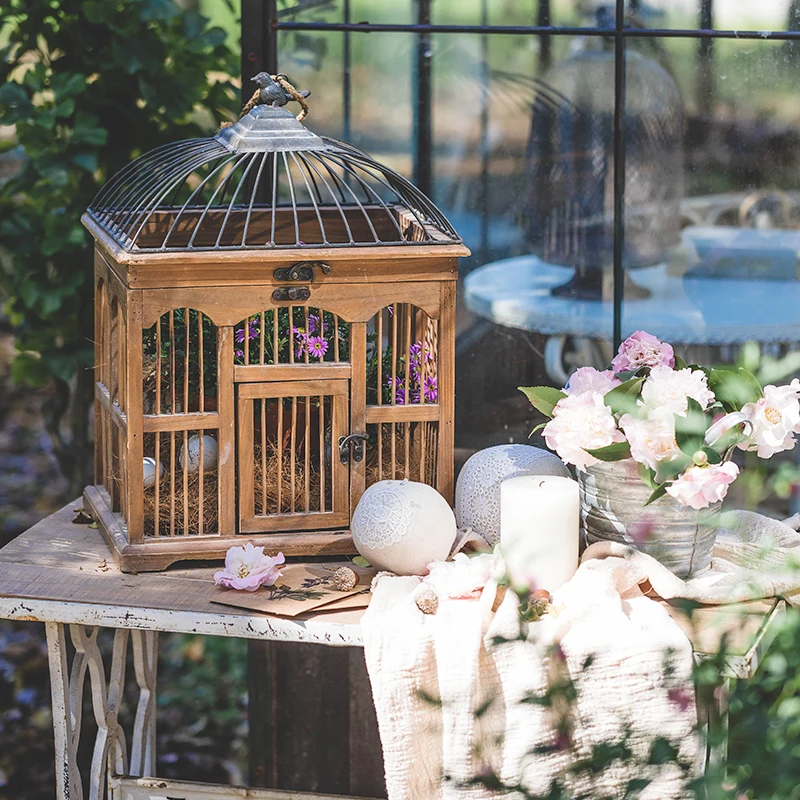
(88,86)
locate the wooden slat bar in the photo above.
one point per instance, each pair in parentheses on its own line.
(410,413)
(246,477)
(358,422)
(297,520)
(446,381)
(194,421)
(226,466)
(118,416)
(279,448)
(134,404)
(292,389)
(291,372)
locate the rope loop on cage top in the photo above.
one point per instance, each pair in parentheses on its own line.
(275,90)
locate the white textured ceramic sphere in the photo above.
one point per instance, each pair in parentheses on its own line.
(478,485)
(401,526)
(149,471)
(210,452)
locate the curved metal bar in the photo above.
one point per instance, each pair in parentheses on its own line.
(354,195)
(239,159)
(141,194)
(294,201)
(313,201)
(132,168)
(274,199)
(126,190)
(157,169)
(149,202)
(310,166)
(196,191)
(250,163)
(256,186)
(369,190)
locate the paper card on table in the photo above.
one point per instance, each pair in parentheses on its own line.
(302,588)
(349,602)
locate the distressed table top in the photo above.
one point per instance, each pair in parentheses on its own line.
(61,572)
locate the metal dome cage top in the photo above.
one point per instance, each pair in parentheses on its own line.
(265,182)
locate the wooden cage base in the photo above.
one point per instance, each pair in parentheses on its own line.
(154,555)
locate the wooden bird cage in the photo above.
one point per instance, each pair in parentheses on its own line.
(275,325)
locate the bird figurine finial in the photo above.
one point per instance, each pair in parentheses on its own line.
(275,90)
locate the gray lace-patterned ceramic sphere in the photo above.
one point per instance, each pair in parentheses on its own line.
(401,526)
(478,486)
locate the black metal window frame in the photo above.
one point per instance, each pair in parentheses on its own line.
(261,25)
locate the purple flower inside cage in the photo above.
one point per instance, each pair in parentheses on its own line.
(317,346)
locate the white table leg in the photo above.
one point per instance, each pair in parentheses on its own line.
(68,786)
(145,664)
(67,686)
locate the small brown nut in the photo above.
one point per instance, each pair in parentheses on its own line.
(345,579)
(427,601)
(542,594)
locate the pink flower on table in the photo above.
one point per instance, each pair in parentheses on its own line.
(700,487)
(463,578)
(248,568)
(589,379)
(642,349)
(775,419)
(671,388)
(652,439)
(581,422)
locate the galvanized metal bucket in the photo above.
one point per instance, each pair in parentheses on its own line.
(613,498)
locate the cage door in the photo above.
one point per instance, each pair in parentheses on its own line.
(290,475)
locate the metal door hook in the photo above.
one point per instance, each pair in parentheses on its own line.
(357,441)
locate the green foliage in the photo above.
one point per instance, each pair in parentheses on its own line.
(88,85)
(543,398)
(613,452)
(622,399)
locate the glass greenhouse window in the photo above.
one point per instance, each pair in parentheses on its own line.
(611,166)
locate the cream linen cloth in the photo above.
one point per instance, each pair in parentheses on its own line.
(451,695)
(450,689)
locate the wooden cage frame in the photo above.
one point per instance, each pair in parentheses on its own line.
(133,289)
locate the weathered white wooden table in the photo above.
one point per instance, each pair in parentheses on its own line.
(61,574)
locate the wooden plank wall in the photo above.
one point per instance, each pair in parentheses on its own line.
(312,722)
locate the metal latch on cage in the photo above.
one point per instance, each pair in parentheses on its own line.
(356,440)
(302,271)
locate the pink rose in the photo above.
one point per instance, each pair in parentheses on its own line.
(775,419)
(641,349)
(581,422)
(652,440)
(700,487)
(248,568)
(589,379)
(671,389)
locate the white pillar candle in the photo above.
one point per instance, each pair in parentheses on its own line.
(539,521)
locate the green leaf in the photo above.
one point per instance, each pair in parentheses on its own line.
(690,430)
(28,369)
(537,429)
(647,476)
(660,492)
(679,363)
(734,387)
(543,398)
(613,452)
(749,356)
(622,399)
(713,456)
(360,561)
